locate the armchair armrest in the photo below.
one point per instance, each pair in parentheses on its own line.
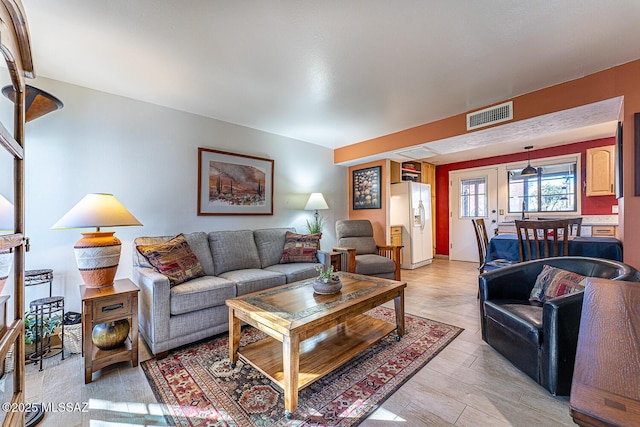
(350,254)
(324,258)
(511,282)
(392,252)
(561,323)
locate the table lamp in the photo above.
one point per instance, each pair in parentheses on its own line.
(316,202)
(6,224)
(98,252)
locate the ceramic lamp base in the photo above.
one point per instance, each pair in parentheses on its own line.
(97,256)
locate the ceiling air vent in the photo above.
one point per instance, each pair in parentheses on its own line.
(416,153)
(489,116)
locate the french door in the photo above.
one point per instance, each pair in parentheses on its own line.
(473,194)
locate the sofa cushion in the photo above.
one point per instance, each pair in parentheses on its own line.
(270,242)
(370,264)
(200,293)
(553,282)
(174,259)
(198,242)
(300,247)
(253,280)
(295,271)
(233,250)
(524,320)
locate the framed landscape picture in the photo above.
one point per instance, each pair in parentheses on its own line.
(234,184)
(366,188)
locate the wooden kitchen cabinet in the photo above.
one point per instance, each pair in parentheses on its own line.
(604,230)
(396,235)
(600,177)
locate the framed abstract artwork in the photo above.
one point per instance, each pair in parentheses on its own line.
(366,188)
(234,184)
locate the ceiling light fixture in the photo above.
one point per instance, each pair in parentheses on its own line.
(529,170)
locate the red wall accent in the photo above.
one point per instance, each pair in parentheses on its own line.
(600,205)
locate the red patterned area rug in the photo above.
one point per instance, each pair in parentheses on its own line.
(198,387)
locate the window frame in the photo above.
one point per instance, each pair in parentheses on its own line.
(485,195)
(545,162)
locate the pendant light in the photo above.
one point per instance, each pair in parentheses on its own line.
(529,170)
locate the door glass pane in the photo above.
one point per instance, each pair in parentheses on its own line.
(6,192)
(473,198)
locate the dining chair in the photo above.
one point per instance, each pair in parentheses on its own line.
(543,238)
(573,231)
(483,244)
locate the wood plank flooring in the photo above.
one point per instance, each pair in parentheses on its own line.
(467,384)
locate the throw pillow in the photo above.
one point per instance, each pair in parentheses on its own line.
(553,282)
(174,259)
(300,247)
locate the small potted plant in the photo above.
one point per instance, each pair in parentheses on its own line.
(48,326)
(327,282)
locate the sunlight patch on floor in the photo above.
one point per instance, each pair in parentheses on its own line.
(126,409)
(101,423)
(382,414)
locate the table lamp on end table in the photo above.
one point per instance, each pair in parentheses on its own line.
(98,252)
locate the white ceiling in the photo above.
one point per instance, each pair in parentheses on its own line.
(338,72)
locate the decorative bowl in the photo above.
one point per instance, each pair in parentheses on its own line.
(330,287)
(110,335)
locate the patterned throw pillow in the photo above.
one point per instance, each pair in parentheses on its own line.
(300,247)
(553,282)
(174,259)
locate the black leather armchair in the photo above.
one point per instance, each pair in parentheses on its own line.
(540,341)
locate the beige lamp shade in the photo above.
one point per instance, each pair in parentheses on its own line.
(97,210)
(316,202)
(97,253)
(6,215)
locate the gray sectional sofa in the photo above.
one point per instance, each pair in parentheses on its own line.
(235,263)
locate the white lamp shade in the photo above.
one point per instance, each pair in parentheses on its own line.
(97,210)
(316,201)
(6,214)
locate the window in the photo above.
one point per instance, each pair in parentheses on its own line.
(553,189)
(473,197)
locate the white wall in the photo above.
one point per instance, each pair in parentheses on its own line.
(146,155)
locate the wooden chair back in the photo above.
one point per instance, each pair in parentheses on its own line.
(578,223)
(483,241)
(543,238)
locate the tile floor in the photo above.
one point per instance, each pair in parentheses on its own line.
(467,384)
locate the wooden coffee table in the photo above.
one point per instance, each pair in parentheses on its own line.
(310,335)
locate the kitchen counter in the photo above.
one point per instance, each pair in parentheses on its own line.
(596,225)
(611,220)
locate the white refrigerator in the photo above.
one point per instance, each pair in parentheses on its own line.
(411,209)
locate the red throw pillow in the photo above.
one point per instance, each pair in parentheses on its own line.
(174,259)
(553,282)
(300,248)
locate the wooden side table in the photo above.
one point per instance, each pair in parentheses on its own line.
(606,380)
(108,304)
